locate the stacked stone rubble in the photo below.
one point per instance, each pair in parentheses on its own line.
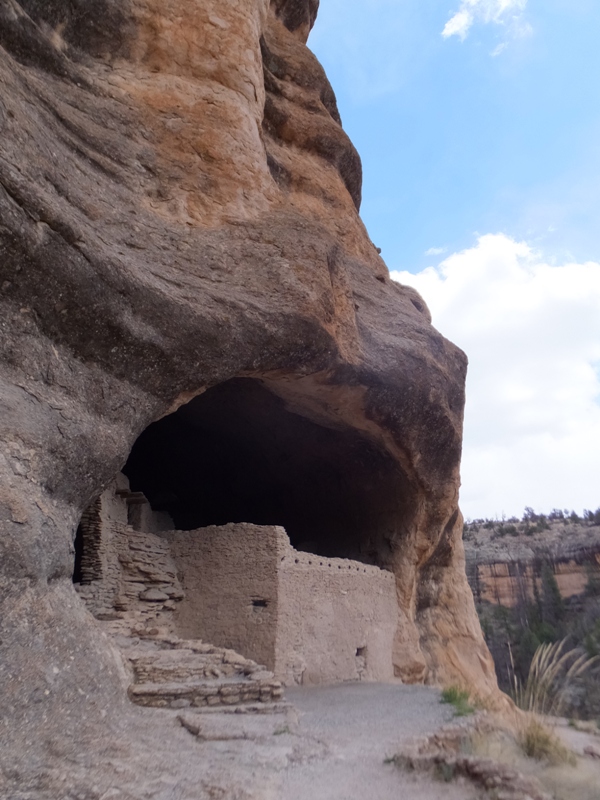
(180,673)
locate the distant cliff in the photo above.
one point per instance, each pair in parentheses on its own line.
(504,558)
(537,581)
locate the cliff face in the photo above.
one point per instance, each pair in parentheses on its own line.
(179,208)
(503,568)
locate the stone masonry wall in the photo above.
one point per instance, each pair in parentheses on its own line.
(229,577)
(102,522)
(243,587)
(309,619)
(132,569)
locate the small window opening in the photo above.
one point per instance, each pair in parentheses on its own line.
(259,603)
(361,652)
(77,571)
(87,565)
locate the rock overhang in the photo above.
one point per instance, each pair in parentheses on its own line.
(239,453)
(161,236)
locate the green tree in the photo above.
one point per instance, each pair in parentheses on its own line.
(553,607)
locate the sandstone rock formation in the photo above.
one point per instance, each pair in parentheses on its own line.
(503,567)
(178,210)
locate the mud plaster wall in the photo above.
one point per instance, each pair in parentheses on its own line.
(309,619)
(337,620)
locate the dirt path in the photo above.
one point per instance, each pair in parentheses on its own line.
(331,745)
(358,726)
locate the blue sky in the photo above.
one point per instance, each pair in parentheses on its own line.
(457,141)
(478,122)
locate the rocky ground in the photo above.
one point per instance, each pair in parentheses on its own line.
(361,727)
(331,743)
(343,742)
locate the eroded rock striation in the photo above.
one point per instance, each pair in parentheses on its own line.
(503,567)
(179,212)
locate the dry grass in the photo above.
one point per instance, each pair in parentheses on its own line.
(552,671)
(564,781)
(539,742)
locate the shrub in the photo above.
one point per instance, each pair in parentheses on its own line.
(540,743)
(553,605)
(459,698)
(529,515)
(592,517)
(592,587)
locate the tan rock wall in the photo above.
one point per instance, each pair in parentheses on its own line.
(507,583)
(165,229)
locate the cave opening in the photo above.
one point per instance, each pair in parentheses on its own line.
(237,454)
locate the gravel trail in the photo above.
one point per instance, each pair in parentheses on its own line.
(360,725)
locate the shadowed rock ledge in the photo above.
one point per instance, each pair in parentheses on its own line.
(178,208)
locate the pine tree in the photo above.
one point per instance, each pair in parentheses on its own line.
(553,607)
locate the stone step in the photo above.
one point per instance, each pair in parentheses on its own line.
(180,666)
(228,692)
(274,707)
(179,673)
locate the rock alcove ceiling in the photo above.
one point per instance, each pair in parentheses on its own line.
(179,208)
(236,454)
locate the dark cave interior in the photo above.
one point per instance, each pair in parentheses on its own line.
(236,454)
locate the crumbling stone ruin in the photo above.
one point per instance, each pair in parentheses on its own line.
(184,271)
(309,619)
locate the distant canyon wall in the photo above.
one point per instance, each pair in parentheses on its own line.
(504,570)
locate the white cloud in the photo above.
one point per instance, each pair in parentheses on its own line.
(500,12)
(499,49)
(532,334)
(436,251)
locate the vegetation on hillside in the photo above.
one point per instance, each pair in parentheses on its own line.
(530,523)
(541,617)
(552,672)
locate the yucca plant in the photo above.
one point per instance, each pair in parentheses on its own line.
(551,672)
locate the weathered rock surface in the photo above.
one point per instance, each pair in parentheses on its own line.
(502,567)
(178,208)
